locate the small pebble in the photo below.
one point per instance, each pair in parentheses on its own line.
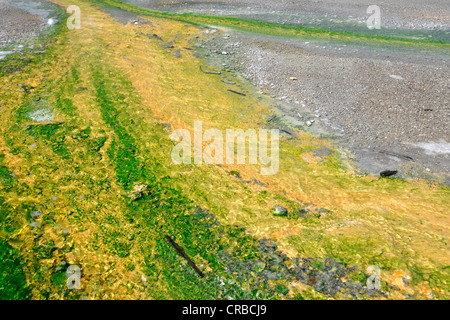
(36,213)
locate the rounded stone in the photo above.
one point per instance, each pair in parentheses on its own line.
(279,211)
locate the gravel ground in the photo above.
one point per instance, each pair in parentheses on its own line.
(390,108)
(13,28)
(22,20)
(433,14)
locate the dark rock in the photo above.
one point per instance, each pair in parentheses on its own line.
(169,45)
(398,155)
(302,212)
(228,82)
(388,173)
(155,36)
(288,132)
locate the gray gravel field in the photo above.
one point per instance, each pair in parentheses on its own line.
(432,14)
(22,20)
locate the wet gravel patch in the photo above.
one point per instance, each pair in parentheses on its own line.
(24,20)
(406,14)
(17,24)
(271,271)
